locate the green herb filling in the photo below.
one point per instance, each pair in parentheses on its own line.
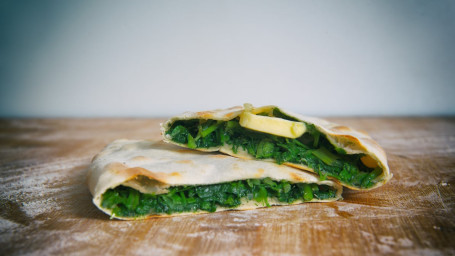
(128,202)
(311,149)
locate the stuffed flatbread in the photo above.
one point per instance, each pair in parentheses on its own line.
(135,179)
(270,133)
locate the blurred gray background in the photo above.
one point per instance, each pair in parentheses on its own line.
(160,58)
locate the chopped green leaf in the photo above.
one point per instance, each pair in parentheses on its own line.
(260,195)
(128,202)
(307,192)
(368,180)
(191,143)
(316,140)
(323,154)
(133,200)
(210,128)
(179,134)
(265,149)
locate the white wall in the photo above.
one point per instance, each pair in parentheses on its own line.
(160,58)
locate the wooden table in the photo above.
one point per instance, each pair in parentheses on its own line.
(46,207)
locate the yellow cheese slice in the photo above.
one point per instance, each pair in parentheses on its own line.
(369,162)
(272,125)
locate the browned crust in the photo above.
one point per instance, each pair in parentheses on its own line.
(296,177)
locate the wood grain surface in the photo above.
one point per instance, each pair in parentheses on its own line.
(46,208)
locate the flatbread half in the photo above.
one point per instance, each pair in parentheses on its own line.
(342,143)
(155,168)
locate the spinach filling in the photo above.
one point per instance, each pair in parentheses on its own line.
(128,202)
(311,149)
